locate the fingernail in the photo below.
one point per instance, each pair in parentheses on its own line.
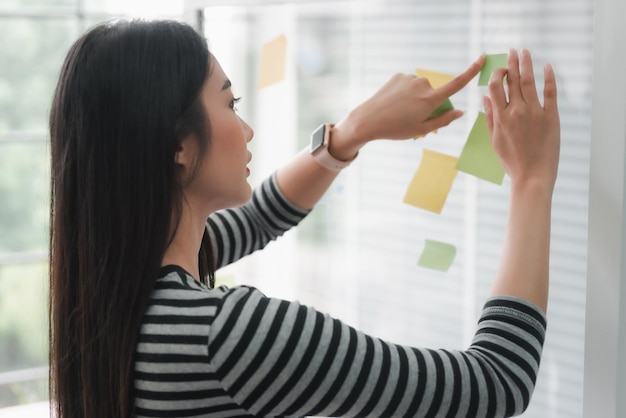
(548,67)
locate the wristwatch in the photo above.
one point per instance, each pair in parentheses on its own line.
(320,142)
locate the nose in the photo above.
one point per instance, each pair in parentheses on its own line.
(247,129)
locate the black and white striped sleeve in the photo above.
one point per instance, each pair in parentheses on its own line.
(277,358)
(240,231)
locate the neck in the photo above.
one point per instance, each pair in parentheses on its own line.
(184,248)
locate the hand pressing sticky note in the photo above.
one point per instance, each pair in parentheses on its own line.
(492,62)
(478,157)
(443,107)
(437,80)
(432,181)
(437,255)
(272,62)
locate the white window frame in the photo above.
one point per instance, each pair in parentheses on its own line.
(605,319)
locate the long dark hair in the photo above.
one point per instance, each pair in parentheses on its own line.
(128,93)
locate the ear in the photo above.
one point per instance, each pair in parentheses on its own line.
(186,153)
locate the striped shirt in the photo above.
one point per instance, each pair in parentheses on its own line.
(235,352)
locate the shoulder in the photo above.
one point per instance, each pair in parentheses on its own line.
(177,286)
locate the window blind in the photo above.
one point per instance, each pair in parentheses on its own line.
(559,32)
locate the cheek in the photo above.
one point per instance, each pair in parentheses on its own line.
(227,129)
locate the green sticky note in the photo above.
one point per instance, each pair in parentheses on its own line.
(492,62)
(443,107)
(478,157)
(437,255)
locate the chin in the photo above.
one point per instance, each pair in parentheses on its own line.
(247,195)
(242,198)
(232,199)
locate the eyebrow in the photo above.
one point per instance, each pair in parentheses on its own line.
(226,85)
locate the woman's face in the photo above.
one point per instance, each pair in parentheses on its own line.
(221,181)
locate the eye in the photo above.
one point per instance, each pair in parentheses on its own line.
(233,102)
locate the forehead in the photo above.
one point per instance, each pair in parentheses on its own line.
(217,77)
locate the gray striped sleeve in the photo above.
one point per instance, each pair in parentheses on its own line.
(277,358)
(240,231)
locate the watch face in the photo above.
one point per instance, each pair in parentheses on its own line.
(317,139)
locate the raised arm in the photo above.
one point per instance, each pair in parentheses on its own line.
(398,110)
(240,231)
(526,136)
(274,357)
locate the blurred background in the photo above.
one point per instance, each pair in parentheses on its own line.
(356,255)
(35,35)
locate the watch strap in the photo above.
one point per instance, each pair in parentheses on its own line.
(323,156)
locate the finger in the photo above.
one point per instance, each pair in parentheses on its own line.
(488,114)
(527,79)
(423,80)
(549,89)
(442,120)
(513,76)
(496,89)
(460,81)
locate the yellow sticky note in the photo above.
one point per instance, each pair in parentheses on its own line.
(436,79)
(432,181)
(272,62)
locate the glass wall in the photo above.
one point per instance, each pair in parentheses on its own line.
(356,254)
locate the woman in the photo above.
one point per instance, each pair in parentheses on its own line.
(147,145)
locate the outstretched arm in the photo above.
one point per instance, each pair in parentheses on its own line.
(399,110)
(278,358)
(240,231)
(526,136)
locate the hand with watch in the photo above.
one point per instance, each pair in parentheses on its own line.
(401,109)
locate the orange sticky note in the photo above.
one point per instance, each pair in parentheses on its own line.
(272,62)
(432,181)
(436,79)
